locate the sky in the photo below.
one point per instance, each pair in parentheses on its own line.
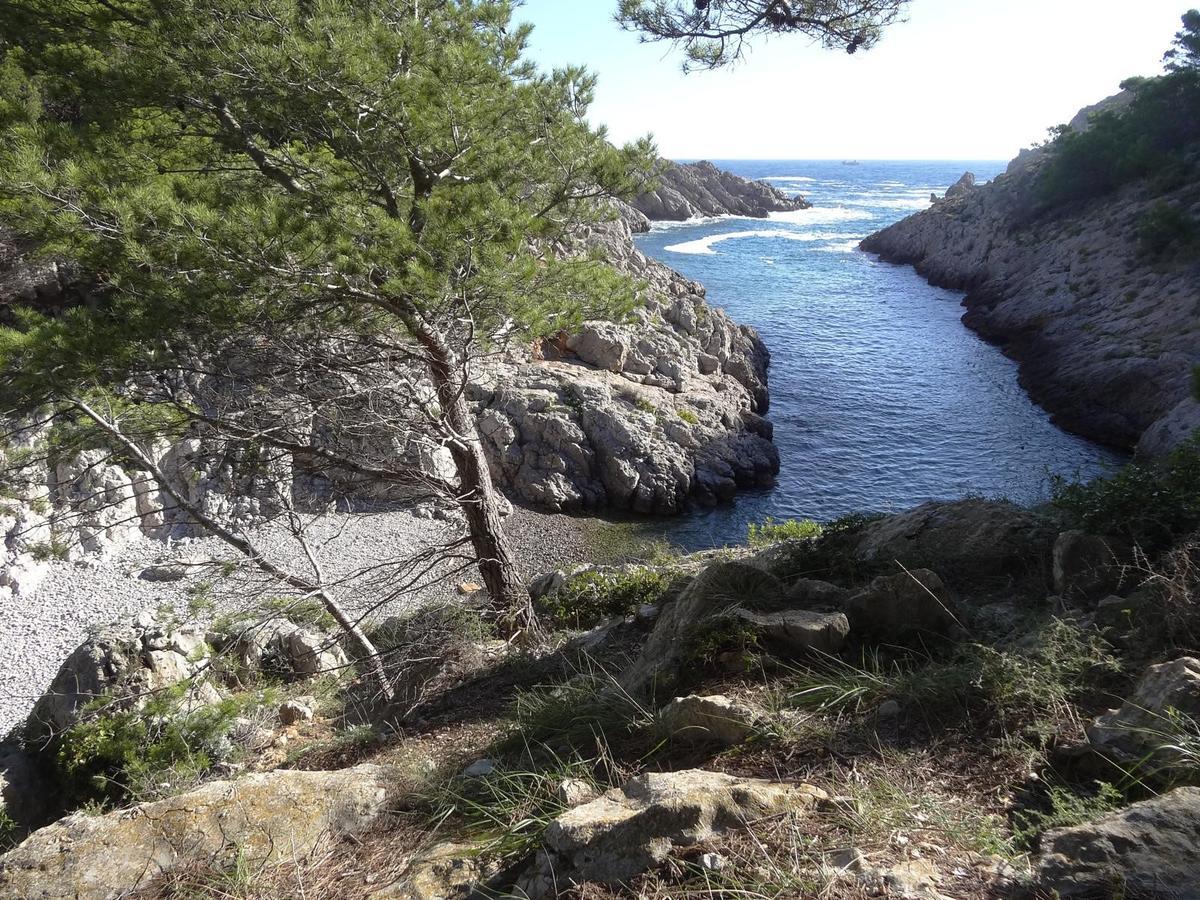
(960,79)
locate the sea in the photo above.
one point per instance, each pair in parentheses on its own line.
(881,398)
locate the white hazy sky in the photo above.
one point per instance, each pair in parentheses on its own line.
(960,79)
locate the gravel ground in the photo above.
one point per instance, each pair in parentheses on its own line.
(358,553)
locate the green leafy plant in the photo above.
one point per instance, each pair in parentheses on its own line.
(595,595)
(688,416)
(1065,806)
(772,531)
(1165,228)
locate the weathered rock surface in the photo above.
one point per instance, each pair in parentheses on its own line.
(1106,337)
(1145,729)
(261,818)
(1087,566)
(909,604)
(635,828)
(795,631)
(129,662)
(688,190)
(1145,850)
(975,537)
(284,649)
(446,871)
(716,719)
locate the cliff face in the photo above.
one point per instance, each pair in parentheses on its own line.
(1106,335)
(701,189)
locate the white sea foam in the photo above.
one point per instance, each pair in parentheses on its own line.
(704,246)
(803,178)
(820,215)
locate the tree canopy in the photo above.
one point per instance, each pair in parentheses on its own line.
(713,33)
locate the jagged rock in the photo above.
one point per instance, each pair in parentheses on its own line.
(575,792)
(796,631)
(716,719)
(258,820)
(1087,566)
(1145,850)
(964,538)
(629,830)
(446,871)
(902,606)
(1105,336)
(1145,729)
(701,189)
(964,185)
(103,497)
(809,593)
(715,592)
(283,648)
(127,661)
(293,712)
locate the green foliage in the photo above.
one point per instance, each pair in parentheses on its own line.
(589,708)
(1164,227)
(1154,135)
(688,416)
(593,596)
(113,757)
(772,531)
(1065,806)
(1152,504)
(721,640)
(829,554)
(8,831)
(1184,54)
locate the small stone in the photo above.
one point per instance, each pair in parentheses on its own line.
(575,792)
(714,862)
(481,768)
(469,587)
(292,712)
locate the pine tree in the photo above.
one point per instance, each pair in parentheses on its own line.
(300,197)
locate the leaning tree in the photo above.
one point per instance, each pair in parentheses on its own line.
(302,225)
(713,32)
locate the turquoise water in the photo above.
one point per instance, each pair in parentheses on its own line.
(880,396)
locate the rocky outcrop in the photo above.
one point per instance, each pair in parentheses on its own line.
(688,190)
(910,604)
(1145,850)
(127,662)
(258,819)
(635,828)
(1106,336)
(1148,731)
(645,415)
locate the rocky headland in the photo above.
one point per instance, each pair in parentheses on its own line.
(690,190)
(1107,334)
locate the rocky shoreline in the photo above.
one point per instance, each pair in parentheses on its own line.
(1106,337)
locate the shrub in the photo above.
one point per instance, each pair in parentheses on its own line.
(8,831)
(593,596)
(1152,504)
(140,754)
(772,531)
(1164,227)
(688,416)
(1064,806)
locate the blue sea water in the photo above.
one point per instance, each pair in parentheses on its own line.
(881,397)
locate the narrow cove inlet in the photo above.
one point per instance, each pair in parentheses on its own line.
(880,397)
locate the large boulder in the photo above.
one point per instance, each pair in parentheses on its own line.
(901,606)
(1088,567)
(635,828)
(1145,730)
(716,719)
(1146,850)
(259,820)
(127,662)
(961,539)
(796,631)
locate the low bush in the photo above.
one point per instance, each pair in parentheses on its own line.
(1151,504)
(1064,806)
(593,596)
(1165,228)
(772,531)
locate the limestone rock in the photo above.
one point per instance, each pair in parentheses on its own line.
(964,185)
(903,606)
(1104,335)
(293,712)
(261,819)
(701,189)
(283,648)
(975,537)
(1147,849)
(573,792)
(446,871)
(629,830)
(127,661)
(1086,566)
(1143,730)
(795,631)
(716,719)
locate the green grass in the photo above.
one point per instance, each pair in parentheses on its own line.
(594,596)
(772,531)
(688,416)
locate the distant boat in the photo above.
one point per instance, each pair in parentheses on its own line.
(851,162)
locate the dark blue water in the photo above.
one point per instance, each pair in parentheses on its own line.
(881,397)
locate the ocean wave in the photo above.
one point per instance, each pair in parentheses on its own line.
(803,178)
(819,215)
(704,246)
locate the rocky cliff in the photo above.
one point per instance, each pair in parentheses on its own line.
(1106,334)
(695,189)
